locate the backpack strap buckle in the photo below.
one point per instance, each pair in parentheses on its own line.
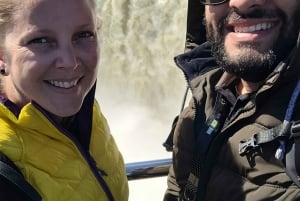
(295,129)
(248,146)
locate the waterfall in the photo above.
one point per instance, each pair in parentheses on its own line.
(139,87)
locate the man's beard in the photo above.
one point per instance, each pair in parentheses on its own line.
(254,66)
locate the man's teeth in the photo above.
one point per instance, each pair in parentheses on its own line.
(253,28)
(63,84)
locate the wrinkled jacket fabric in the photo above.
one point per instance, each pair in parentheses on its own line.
(232,177)
(59,165)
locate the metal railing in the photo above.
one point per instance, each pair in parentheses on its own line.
(148,169)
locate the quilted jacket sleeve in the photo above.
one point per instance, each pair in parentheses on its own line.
(182,153)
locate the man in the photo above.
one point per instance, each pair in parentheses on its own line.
(234,141)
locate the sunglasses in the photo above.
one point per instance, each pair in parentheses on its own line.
(213,2)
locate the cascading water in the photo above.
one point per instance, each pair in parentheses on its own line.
(139,88)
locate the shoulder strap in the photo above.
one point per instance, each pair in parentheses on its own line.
(288,135)
(13,177)
(292,156)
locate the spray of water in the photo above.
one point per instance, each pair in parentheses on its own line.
(139,87)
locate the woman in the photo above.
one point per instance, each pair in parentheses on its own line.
(51,126)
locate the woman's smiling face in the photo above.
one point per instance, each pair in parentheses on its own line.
(50,54)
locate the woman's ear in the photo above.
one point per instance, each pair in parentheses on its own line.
(1,57)
(3,70)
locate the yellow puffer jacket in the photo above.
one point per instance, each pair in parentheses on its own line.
(55,164)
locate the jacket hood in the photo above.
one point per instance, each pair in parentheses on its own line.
(197,61)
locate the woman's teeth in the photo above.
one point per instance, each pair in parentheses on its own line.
(63,84)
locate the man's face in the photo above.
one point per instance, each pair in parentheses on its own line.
(250,37)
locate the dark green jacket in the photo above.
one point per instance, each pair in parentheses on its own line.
(233,177)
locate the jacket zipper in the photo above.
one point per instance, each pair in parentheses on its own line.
(88,158)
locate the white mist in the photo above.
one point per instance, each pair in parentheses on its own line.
(140,89)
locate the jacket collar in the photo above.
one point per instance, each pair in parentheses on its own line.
(81,126)
(196,62)
(199,60)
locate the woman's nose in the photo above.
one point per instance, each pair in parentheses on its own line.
(67,57)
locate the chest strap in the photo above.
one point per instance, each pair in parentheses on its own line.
(288,136)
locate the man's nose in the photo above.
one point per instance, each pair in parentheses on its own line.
(245,5)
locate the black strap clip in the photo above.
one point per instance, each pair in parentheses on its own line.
(295,129)
(248,146)
(188,195)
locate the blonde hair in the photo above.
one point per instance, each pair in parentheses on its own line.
(8,8)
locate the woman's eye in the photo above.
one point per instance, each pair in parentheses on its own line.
(39,41)
(84,35)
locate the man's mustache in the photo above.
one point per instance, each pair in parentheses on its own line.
(234,15)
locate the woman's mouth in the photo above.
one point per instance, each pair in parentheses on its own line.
(63,84)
